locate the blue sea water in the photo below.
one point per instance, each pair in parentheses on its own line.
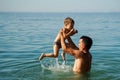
(24,36)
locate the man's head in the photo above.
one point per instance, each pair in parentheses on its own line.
(85,42)
(69,23)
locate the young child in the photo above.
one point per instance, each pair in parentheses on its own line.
(69,31)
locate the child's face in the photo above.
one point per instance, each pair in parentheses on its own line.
(69,26)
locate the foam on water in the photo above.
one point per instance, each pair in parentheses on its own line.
(56,67)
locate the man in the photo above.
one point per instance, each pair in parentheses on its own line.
(81,53)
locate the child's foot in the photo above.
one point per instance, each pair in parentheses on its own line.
(41,57)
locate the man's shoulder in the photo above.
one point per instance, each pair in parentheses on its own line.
(77,53)
(82,55)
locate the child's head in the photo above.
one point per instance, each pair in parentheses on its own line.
(69,23)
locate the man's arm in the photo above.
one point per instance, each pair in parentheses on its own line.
(72,44)
(67,49)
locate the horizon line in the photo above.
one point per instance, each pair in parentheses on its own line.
(60,12)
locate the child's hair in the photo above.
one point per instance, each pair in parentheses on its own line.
(87,41)
(69,20)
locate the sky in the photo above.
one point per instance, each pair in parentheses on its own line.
(59,5)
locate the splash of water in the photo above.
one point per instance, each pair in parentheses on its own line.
(56,67)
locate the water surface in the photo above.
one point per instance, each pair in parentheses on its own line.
(24,36)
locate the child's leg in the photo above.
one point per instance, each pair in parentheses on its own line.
(45,55)
(56,50)
(54,55)
(63,55)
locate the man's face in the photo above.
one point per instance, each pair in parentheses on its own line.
(81,45)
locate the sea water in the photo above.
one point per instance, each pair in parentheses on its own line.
(24,36)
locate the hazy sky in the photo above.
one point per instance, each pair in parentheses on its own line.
(60,5)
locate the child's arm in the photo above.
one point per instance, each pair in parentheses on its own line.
(70,42)
(73,32)
(70,33)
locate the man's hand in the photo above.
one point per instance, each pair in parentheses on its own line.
(63,34)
